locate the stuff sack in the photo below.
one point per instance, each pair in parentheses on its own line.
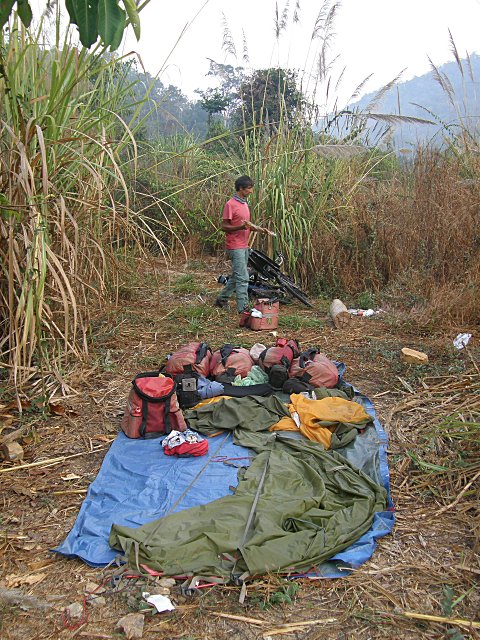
(315,368)
(284,352)
(276,361)
(184,445)
(187,387)
(230,361)
(152,407)
(278,376)
(196,354)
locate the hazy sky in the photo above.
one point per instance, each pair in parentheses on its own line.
(379,37)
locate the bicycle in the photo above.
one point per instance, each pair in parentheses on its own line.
(268,281)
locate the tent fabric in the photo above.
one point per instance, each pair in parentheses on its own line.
(332,421)
(137,484)
(251,413)
(311,505)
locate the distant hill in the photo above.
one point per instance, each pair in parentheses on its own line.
(457,100)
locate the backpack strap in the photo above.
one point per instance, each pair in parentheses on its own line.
(309,354)
(147,374)
(262,356)
(201,352)
(306,377)
(225,351)
(166,418)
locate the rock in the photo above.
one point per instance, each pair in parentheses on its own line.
(11,451)
(132,602)
(17,598)
(131,625)
(161,591)
(96,601)
(414,357)
(167,582)
(75,610)
(93,589)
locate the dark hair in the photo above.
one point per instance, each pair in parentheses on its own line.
(243,182)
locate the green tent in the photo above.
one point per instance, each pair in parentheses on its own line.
(296,506)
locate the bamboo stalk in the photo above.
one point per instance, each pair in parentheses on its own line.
(441,619)
(61,493)
(51,461)
(240,618)
(459,497)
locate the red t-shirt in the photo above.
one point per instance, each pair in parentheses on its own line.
(235,212)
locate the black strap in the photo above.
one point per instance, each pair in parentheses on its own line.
(166,419)
(201,352)
(286,362)
(226,351)
(147,374)
(166,399)
(263,355)
(309,354)
(305,378)
(232,390)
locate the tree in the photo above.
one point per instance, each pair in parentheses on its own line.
(269,97)
(104,19)
(213,101)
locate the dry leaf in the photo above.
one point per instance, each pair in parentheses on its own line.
(40,564)
(71,476)
(29,579)
(24,404)
(23,491)
(102,438)
(56,409)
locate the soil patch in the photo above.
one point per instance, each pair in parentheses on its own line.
(429,565)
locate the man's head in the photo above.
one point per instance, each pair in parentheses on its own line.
(244,186)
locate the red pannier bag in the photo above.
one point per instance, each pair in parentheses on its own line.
(315,368)
(196,354)
(235,361)
(152,407)
(284,352)
(269,309)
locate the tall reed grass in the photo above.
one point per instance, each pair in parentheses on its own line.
(63,147)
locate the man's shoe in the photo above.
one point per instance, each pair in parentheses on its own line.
(220,303)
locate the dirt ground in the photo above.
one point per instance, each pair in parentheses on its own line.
(429,564)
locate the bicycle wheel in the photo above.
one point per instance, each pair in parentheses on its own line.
(292,289)
(261,262)
(269,292)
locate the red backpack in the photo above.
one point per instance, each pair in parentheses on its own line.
(315,368)
(282,353)
(152,407)
(231,361)
(196,354)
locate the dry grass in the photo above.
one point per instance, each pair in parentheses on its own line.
(429,565)
(413,237)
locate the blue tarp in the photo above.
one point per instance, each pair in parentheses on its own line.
(138,483)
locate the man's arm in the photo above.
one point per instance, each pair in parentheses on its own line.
(255,227)
(230,228)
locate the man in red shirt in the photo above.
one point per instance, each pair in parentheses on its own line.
(236,225)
